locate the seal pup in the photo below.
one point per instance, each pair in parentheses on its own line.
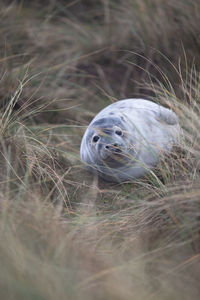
(126,139)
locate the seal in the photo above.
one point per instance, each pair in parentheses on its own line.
(126,139)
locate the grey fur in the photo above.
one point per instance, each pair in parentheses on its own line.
(148,130)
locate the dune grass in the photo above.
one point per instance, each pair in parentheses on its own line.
(65,234)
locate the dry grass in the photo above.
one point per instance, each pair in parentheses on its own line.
(63,233)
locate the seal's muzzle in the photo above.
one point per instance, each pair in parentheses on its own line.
(113,148)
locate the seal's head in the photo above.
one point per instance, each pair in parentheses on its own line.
(105,143)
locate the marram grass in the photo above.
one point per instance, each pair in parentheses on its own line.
(64,234)
(62,237)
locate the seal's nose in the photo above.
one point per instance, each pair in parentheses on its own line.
(113,147)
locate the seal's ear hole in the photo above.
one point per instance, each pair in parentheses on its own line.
(95,138)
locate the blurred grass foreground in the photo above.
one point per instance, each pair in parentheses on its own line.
(64,234)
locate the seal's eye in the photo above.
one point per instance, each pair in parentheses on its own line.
(95,138)
(118,132)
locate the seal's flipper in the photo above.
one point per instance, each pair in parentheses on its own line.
(167,116)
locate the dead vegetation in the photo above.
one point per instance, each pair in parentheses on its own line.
(64,234)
